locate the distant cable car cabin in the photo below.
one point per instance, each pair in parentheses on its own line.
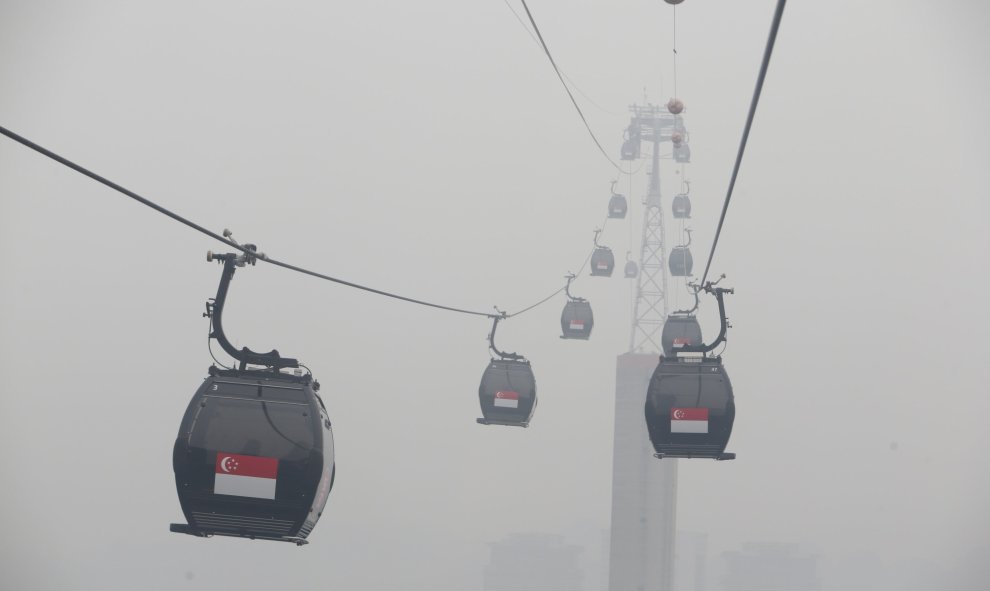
(690,406)
(682,153)
(675,105)
(631,270)
(630,145)
(577,319)
(508,388)
(617,206)
(254,457)
(679,330)
(602,260)
(680,261)
(681,206)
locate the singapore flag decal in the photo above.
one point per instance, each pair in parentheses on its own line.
(577,324)
(689,420)
(245,476)
(507,399)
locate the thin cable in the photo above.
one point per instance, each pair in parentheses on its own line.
(541,302)
(775,25)
(232,244)
(115,186)
(28,143)
(674,19)
(569,79)
(546,50)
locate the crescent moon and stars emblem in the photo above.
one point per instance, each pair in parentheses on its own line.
(678,414)
(228,464)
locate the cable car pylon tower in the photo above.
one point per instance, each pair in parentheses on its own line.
(654,124)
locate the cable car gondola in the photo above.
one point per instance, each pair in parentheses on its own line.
(690,406)
(254,457)
(681,206)
(631,270)
(602,259)
(508,388)
(682,153)
(679,330)
(680,261)
(617,206)
(577,319)
(630,146)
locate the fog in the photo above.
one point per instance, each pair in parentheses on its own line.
(427,148)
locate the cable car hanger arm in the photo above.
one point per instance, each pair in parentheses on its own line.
(214,311)
(491,340)
(719,293)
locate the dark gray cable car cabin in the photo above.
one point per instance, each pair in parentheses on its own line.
(690,407)
(617,206)
(681,206)
(630,149)
(680,261)
(507,393)
(631,270)
(682,153)
(602,262)
(254,456)
(679,330)
(577,320)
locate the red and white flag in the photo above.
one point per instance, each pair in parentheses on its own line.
(507,399)
(689,420)
(245,476)
(602,265)
(681,341)
(577,324)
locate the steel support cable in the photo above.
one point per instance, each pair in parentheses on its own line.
(569,79)
(674,19)
(774,27)
(102,180)
(560,76)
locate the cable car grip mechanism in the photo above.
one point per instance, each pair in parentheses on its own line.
(491,339)
(567,288)
(719,293)
(214,310)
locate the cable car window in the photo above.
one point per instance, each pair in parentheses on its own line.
(253,427)
(713,392)
(683,390)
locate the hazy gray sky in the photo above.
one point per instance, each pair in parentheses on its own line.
(428,148)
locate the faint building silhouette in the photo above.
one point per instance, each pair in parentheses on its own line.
(691,561)
(770,567)
(533,562)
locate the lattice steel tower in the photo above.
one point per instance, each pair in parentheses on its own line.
(654,124)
